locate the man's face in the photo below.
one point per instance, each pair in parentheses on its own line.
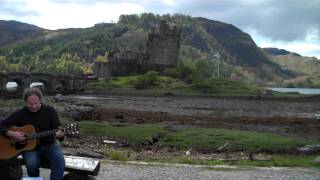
(33,103)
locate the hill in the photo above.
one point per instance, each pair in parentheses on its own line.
(306,68)
(14,31)
(277,52)
(72,51)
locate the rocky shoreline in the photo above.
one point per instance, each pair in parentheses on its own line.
(297,117)
(293,116)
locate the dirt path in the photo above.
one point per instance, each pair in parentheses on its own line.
(116,171)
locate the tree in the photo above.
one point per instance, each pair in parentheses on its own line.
(203,69)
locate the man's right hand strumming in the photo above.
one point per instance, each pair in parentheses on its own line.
(17,136)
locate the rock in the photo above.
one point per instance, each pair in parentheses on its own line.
(79,112)
(90,154)
(168,94)
(309,149)
(317,160)
(255,97)
(268,92)
(57,98)
(109,142)
(223,147)
(155,139)
(188,153)
(147,142)
(259,157)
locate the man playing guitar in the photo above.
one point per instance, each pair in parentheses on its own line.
(43,118)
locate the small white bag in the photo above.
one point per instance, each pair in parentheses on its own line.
(32,178)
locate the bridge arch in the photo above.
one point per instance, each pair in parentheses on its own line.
(22,83)
(63,84)
(48,81)
(52,83)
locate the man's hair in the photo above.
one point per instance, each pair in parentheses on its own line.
(32,91)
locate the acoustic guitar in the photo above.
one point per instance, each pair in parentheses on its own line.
(10,148)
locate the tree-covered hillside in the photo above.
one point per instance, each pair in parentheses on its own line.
(73,51)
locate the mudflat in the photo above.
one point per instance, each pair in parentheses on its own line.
(299,117)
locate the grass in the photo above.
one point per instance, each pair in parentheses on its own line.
(158,83)
(276,160)
(15,103)
(116,155)
(162,82)
(293,161)
(9,105)
(291,95)
(281,161)
(199,138)
(202,138)
(186,160)
(210,138)
(134,133)
(105,84)
(214,86)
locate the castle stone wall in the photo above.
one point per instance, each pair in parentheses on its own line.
(163,45)
(162,51)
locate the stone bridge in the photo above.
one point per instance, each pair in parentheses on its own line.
(52,84)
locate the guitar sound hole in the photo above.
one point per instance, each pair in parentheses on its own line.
(19,145)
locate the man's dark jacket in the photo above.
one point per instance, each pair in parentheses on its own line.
(43,120)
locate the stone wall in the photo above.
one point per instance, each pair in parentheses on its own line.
(162,51)
(102,69)
(52,83)
(163,45)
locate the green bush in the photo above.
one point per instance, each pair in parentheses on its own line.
(184,71)
(171,72)
(147,80)
(101,84)
(204,86)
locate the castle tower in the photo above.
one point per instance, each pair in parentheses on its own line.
(163,45)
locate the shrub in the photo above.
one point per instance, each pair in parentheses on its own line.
(171,72)
(146,80)
(204,86)
(184,71)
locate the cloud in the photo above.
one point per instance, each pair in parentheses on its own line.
(308,47)
(286,20)
(12,9)
(53,15)
(288,24)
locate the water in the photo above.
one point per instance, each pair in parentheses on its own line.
(298,90)
(14,85)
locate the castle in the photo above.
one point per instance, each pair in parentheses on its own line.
(162,50)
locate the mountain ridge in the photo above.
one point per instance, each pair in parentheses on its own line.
(15,31)
(277,51)
(201,38)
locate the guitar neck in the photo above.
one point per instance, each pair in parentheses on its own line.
(71,130)
(42,134)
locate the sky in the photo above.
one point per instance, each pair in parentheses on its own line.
(293,25)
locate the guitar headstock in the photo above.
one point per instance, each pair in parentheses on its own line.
(72,130)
